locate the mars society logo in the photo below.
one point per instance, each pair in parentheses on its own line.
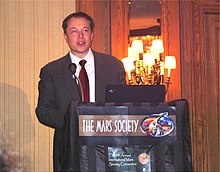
(157,125)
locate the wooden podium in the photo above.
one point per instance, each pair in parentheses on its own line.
(127,137)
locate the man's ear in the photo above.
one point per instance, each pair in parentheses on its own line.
(65,37)
(92,36)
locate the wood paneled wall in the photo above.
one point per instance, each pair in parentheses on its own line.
(30,36)
(119,28)
(100,12)
(111,20)
(200,38)
(170,35)
(191,33)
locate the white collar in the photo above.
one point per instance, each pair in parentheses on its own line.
(88,57)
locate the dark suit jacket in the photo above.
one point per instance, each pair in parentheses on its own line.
(57,89)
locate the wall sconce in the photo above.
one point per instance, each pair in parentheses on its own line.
(147,68)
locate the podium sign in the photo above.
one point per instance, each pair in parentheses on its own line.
(129,131)
(155,125)
(117,129)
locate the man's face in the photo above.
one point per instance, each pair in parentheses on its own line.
(79,36)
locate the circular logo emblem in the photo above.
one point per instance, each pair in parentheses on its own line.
(157,125)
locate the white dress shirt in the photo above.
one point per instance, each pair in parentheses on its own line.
(90,69)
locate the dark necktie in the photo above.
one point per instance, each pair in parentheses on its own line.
(84,81)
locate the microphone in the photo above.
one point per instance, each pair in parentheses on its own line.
(72,68)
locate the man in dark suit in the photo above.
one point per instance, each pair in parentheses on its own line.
(57,86)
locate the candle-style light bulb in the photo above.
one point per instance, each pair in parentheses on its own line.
(137,46)
(128,65)
(157,48)
(170,63)
(148,61)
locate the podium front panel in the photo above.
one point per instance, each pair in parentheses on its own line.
(132,137)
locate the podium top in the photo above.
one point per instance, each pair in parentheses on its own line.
(134,93)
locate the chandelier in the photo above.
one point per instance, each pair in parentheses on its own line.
(147,67)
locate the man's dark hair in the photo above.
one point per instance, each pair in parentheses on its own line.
(77,15)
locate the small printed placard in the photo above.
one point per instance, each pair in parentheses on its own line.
(129,159)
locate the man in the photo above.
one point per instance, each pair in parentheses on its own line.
(57,87)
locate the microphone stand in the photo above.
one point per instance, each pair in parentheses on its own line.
(80,87)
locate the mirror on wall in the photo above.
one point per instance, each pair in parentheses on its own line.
(144,21)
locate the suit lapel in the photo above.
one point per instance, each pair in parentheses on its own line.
(99,77)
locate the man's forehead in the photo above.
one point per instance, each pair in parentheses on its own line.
(79,27)
(78,23)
